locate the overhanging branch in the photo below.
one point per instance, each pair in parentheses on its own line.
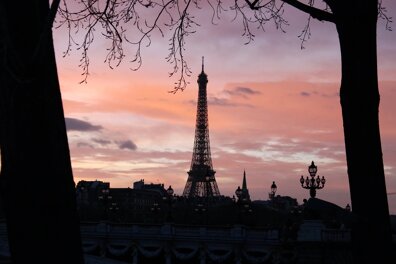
(314,12)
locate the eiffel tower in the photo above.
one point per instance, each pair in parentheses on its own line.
(201,180)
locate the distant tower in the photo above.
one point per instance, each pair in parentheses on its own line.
(201,180)
(243,194)
(245,190)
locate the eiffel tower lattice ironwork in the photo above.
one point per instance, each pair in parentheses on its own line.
(201,180)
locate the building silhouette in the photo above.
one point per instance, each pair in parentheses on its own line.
(97,201)
(201,180)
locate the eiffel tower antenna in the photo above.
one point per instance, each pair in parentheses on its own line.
(201,180)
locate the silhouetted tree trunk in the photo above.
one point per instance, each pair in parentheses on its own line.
(356,22)
(36,179)
(356,26)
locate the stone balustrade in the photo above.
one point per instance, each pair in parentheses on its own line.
(223,244)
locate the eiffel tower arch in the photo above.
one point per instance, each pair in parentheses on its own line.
(201,181)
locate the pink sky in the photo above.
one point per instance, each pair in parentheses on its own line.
(273,108)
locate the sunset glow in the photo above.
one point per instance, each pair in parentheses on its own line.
(273,108)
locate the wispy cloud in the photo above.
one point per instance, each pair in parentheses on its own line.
(221,102)
(102,142)
(127,144)
(74,124)
(84,145)
(224,102)
(325,95)
(242,91)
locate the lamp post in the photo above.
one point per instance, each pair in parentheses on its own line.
(200,208)
(114,208)
(348,208)
(243,203)
(169,197)
(312,184)
(105,197)
(238,192)
(155,209)
(273,191)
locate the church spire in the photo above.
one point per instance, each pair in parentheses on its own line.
(203,63)
(245,191)
(244,185)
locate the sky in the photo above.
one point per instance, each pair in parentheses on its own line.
(273,108)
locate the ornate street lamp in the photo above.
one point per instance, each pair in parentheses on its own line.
(169,191)
(312,183)
(105,197)
(273,191)
(155,209)
(238,192)
(348,208)
(243,203)
(169,197)
(201,210)
(114,208)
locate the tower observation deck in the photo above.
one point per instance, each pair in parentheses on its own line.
(201,180)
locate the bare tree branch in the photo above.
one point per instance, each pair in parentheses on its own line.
(382,14)
(135,22)
(110,18)
(312,11)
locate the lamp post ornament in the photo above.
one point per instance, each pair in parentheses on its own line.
(312,184)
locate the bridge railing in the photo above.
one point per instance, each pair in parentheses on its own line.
(178,232)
